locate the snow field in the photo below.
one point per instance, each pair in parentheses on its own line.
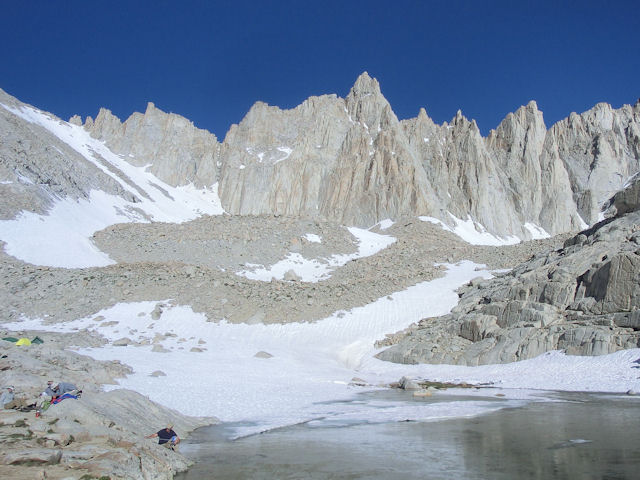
(313,363)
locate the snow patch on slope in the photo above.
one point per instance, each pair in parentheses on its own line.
(312,364)
(314,270)
(537,233)
(472,232)
(61,238)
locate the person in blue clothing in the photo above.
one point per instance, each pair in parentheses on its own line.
(7,397)
(60,388)
(166,437)
(49,390)
(65,387)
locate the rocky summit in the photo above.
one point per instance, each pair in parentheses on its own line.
(350,161)
(99,212)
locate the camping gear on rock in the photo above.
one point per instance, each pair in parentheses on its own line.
(23,341)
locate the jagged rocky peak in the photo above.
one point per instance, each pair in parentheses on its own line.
(460,123)
(258,111)
(368,166)
(425,120)
(421,131)
(304,128)
(366,104)
(600,149)
(529,114)
(76,120)
(105,125)
(177,151)
(275,161)
(517,128)
(365,86)
(351,160)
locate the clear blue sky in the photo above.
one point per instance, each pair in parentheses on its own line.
(210,61)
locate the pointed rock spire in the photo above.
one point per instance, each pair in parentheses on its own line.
(365,85)
(366,104)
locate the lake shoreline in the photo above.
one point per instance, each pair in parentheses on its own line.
(564,435)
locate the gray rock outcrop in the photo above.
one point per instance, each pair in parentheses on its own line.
(176,151)
(99,434)
(600,150)
(583,299)
(349,161)
(37,168)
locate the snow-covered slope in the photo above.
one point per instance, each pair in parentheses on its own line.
(62,236)
(305,369)
(65,184)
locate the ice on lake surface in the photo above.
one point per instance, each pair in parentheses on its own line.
(566,436)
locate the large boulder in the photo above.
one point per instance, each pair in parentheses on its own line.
(583,298)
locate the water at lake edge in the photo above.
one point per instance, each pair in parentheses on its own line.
(581,436)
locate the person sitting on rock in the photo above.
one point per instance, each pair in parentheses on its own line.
(55,393)
(166,437)
(49,390)
(44,400)
(64,387)
(6,398)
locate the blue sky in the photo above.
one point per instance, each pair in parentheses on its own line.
(210,61)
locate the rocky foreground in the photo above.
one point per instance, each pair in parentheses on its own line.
(99,435)
(576,292)
(197,264)
(583,298)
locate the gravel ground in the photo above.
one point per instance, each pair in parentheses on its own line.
(196,263)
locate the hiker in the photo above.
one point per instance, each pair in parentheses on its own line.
(49,390)
(166,437)
(44,400)
(6,397)
(64,387)
(55,393)
(57,389)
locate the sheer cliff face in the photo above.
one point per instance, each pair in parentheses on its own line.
(378,175)
(176,151)
(351,161)
(278,161)
(346,160)
(600,151)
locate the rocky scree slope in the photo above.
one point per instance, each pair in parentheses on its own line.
(36,168)
(197,264)
(583,298)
